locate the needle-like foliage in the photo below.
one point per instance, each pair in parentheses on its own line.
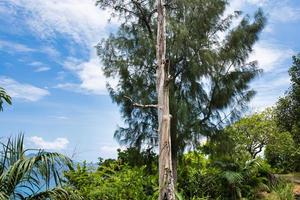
(208,64)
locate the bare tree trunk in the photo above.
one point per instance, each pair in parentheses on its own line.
(166,182)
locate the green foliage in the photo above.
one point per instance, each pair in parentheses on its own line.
(283,190)
(243,140)
(282,153)
(251,134)
(114,179)
(288,114)
(29,177)
(288,107)
(195,179)
(4,97)
(133,157)
(247,138)
(199,177)
(227,180)
(208,75)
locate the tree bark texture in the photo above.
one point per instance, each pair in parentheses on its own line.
(166,181)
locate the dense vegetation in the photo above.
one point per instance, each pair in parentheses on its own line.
(217,154)
(239,161)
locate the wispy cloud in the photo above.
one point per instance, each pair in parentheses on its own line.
(42,69)
(57,144)
(109,150)
(90,74)
(268,91)
(277,10)
(82,23)
(270,55)
(39,66)
(282,12)
(50,51)
(80,20)
(22,91)
(12,47)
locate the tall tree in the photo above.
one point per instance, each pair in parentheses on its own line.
(208,74)
(166,181)
(288,107)
(288,112)
(4,97)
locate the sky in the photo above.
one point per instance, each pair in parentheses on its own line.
(48,64)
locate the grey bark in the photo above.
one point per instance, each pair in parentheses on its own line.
(166,181)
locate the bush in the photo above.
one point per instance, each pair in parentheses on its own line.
(113,182)
(283,190)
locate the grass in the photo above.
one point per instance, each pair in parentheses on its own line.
(293,177)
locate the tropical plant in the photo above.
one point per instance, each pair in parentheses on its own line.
(219,178)
(283,190)
(113,180)
(4,97)
(30,174)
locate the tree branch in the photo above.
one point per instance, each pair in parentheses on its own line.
(141,105)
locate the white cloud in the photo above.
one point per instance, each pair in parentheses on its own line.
(237,5)
(50,51)
(110,151)
(79,19)
(39,67)
(234,5)
(257,2)
(36,63)
(12,47)
(62,117)
(57,144)
(268,91)
(285,13)
(270,56)
(42,69)
(22,91)
(92,79)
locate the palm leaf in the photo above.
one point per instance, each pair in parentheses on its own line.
(4,96)
(22,176)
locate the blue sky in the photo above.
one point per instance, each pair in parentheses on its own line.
(49,66)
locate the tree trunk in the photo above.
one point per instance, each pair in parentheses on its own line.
(166,182)
(174,139)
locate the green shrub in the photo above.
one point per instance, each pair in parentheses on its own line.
(283,190)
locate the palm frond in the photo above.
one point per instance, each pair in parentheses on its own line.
(4,96)
(232,177)
(22,176)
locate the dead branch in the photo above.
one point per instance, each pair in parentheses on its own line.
(141,105)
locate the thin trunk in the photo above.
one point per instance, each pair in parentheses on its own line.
(166,182)
(174,139)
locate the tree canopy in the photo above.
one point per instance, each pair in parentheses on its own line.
(288,107)
(209,72)
(251,134)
